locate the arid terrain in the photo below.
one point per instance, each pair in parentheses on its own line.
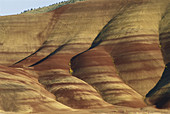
(87,57)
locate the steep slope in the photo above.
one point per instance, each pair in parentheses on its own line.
(160,94)
(21,35)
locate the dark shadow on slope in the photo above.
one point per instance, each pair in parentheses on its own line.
(163,101)
(98,40)
(54,52)
(28,56)
(31,54)
(47,31)
(94,43)
(165,79)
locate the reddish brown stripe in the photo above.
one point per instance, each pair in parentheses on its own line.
(35,98)
(116,93)
(74,90)
(40,67)
(16,89)
(127,42)
(144,79)
(126,37)
(14,72)
(108,90)
(92,65)
(134,53)
(15,52)
(52,76)
(126,61)
(88,76)
(107,82)
(165,33)
(32,82)
(79,44)
(140,69)
(46,46)
(164,38)
(65,84)
(37,102)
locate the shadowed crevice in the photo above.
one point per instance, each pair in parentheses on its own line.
(51,54)
(97,41)
(165,79)
(44,34)
(28,56)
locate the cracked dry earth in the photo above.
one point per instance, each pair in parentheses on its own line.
(92,56)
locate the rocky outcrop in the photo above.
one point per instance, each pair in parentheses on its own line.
(90,54)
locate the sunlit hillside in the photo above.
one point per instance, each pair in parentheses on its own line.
(87,56)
